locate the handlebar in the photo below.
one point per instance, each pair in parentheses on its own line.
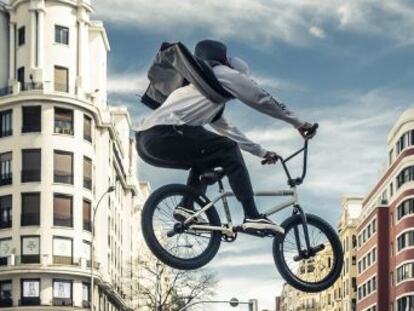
(298,180)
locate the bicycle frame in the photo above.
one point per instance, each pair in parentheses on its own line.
(293,201)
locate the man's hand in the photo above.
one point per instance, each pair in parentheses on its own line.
(270,158)
(308,130)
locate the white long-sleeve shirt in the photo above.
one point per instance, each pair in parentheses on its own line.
(187,105)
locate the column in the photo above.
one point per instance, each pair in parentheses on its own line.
(40,39)
(33,36)
(12,52)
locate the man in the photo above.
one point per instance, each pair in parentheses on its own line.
(174,136)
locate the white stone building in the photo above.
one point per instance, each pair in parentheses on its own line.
(61,147)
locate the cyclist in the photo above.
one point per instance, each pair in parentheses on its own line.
(174,136)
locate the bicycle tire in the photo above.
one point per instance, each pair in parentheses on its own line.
(151,240)
(336,245)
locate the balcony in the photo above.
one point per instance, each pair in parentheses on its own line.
(31,86)
(30,175)
(30,219)
(6,179)
(30,259)
(62,128)
(29,301)
(62,302)
(62,260)
(61,87)
(6,302)
(87,183)
(6,91)
(7,223)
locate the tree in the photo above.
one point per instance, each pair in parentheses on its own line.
(158,287)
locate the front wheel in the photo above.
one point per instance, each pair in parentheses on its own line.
(188,249)
(312,272)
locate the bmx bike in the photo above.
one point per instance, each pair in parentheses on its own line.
(308,254)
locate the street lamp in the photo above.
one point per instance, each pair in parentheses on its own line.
(234,302)
(110,189)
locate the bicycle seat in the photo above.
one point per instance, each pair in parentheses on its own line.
(213,176)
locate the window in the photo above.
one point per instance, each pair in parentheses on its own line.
(21,77)
(86,293)
(87,173)
(63,167)
(61,79)
(405,208)
(6,299)
(62,251)
(406,175)
(87,212)
(61,34)
(30,249)
(5,250)
(404,272)
(21,36)
(62,210)
(62,292)
(87,128)
(405,240)
(6,128)
(30,292)
(5,211)
(63,121)
(5,168)
(31,165)
(405,303)
(32,119)
(30,209)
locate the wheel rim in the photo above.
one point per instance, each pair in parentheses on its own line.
(315,269)
(186,245)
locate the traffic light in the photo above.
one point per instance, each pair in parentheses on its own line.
(253,305)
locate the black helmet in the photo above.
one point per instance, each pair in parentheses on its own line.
(212,51)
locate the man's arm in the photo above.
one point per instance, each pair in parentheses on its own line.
(246,90)
(232,132)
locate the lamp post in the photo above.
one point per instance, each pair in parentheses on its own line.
(110,189)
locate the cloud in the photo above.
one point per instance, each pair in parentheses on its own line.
(127,82)
(265,20)
(317,32)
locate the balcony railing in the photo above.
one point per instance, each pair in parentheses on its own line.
(87,183)
(6,179)
(62,260)
(3,261)
(30,259)
(29,86)
(30,175)
(29,301)
(87,225)
(6,302)
(63,177)
(5,223)
(6,132)
(63,221)
(86,304)
(62,302)
(30,219)
(6,91)
(61,87)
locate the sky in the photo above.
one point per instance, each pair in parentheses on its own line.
(345,64)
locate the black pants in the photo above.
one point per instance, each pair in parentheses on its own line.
(196,149)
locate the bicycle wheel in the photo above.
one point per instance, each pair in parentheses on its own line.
(320,270)
(187,250)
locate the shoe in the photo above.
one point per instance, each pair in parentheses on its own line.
(182,214)
(261,223)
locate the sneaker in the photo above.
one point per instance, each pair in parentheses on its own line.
(262,223)
(182,214)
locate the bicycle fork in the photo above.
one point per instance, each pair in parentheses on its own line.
(308,251)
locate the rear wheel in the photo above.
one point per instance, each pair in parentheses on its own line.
(185,250)
(319,270)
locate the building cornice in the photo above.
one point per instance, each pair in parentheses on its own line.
(406,116)
(76,4)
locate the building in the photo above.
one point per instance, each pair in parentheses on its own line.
(61,147)
(342,295)
(385,230)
